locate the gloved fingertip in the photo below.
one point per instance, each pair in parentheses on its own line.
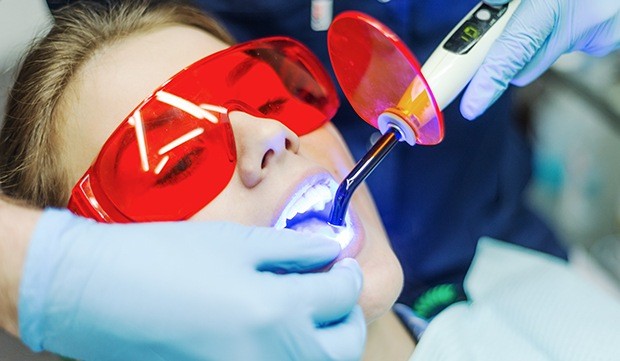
(467,113)
(469,109)
(345,339)
(496,2)
(348,263)
(357,314)
(351,264)
(357,322)
(356,317)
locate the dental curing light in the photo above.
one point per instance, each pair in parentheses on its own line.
(387,88)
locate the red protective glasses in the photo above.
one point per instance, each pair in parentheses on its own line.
(176,151)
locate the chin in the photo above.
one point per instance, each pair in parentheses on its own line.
(383,282)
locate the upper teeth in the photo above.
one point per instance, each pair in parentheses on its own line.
(312,198)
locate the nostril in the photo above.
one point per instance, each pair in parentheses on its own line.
(291,143)
(270,153)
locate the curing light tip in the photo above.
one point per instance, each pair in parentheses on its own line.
(362,169)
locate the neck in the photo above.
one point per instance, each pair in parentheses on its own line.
(388,340)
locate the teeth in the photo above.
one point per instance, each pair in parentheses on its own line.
(313,198)
(303,204)
(325,195)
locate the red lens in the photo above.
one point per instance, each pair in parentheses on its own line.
(175,153)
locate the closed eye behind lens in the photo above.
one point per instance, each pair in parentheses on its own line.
(272,106)
(181,169)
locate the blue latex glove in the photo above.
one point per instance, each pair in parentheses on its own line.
(186,291)
(535,37)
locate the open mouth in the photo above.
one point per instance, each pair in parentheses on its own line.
(308,211)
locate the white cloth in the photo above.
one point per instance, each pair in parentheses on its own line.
(524,305)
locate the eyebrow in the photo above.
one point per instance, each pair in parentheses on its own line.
(187,106)
(240,70)
(272,106)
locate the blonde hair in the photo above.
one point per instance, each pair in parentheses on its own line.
(30,168)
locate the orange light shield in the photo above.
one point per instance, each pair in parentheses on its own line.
(379,74)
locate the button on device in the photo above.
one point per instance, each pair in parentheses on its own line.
(483,15)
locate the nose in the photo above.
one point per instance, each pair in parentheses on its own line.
(261,143)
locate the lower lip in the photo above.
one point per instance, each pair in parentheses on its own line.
(356,244)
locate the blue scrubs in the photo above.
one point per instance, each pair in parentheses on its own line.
(436,201)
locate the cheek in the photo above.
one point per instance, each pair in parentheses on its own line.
(220,208)
(325,147)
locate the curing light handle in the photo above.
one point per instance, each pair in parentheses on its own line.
(455,61)
(362,169)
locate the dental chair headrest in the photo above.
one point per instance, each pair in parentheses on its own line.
(21,21)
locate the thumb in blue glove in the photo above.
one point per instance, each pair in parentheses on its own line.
(186,291)
(535,37)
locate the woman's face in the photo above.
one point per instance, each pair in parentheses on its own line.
(275,167)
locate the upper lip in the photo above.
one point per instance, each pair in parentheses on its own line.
(296,201)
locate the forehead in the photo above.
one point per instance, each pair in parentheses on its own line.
(119,77)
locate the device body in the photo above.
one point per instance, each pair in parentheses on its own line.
(447,71)
(416,117)
(455,61)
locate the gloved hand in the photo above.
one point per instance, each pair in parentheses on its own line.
(186,291)
(535,37)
